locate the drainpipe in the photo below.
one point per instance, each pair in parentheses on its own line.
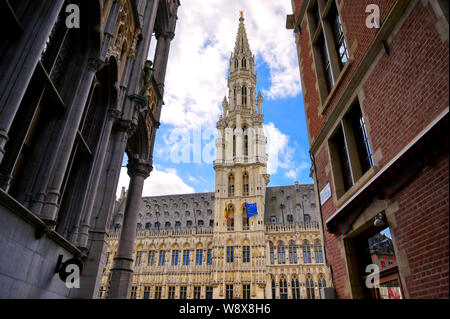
(313,161)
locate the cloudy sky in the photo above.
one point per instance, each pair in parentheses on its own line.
(196,84)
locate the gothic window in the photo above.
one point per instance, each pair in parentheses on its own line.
(148,225)
(245,254)
(167,225)
(230,214)
(273,288)
(183,292)
(151,258)
(309,287)
(246,291)
(245,224)
(244,63)
(271,253)
(306,252)
(175,254)
(245,141)
(186,257)
(292,253)
(158,292)
(321,282)
(157,225)
(201,223)
(229,292)
(138,258)
(209,257)
(197,291)
(177,224)
(162,257)
(199,257)
(246,183)
(283,288)
(189,223)
(209,292)
(133,292)
(230,254)
(318,251)
(231,185)
(295,284)
(244,95)
(147,292)
(171,294)
(236,64)
(281,254)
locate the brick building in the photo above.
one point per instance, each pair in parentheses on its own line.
(376,102)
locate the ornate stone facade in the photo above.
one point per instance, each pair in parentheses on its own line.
(204,245)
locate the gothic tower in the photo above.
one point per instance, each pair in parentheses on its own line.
(241,178)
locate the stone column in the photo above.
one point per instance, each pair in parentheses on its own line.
(20,60)
(122,271)
(72,122)
(103,206)
(97,168)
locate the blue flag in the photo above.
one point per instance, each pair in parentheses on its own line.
(252,210)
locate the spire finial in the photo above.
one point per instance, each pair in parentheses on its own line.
(242,16)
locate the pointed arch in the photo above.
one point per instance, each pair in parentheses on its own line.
(306,252)
(245,184)
(245,223)
(231,185)
(230,216)
(310,287)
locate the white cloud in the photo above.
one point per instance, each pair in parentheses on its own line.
(161,182)
(199,56)
(281,154)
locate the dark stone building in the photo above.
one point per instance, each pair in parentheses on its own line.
(76,94)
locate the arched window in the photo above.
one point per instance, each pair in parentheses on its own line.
(245,225)
(274,295)
(283,288)
(281,254)
(295,284)
(321,282)
(318,251)
(244,95)
(231,185)
(236,64)
(245,141)
(200,223)
(271,254)
(245,184)
(244,63)
(306,252)
(309,287)
(230,214)
(292,253)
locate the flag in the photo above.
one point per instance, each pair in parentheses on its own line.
(226,215)
(252,210)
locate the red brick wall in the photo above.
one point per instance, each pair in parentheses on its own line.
(404,93)
(422,231)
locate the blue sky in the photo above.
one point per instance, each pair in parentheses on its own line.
(196,84)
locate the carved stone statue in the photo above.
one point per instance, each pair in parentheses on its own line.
(148,77)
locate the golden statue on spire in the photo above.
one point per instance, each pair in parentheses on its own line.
(242,16)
